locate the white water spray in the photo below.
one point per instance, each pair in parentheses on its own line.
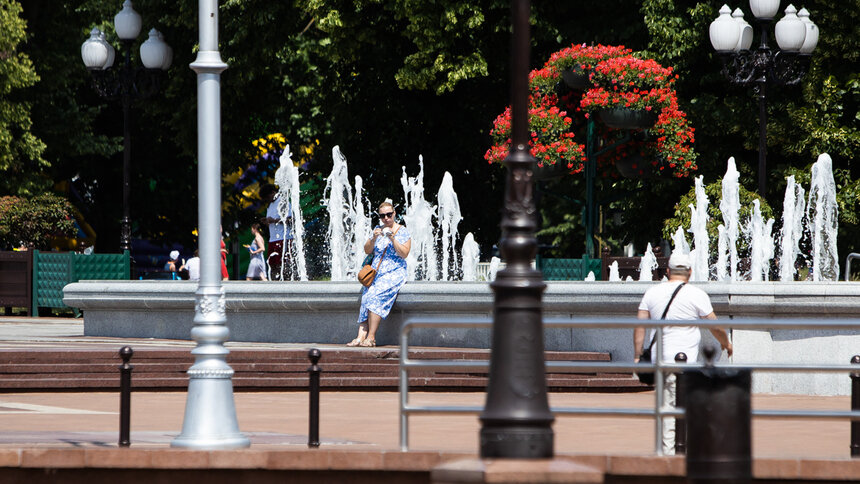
(471,254)
(337,197)
(495,263)
(730,207)
(647,265)
(448,216)
(679,241)
(287,180)
(699,229)
(418,216)
(792,229)
(822,214)
(361,231)
(761,244)
(614,276)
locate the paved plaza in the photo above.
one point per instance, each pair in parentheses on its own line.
(358,420)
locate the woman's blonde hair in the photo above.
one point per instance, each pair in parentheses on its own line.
(386,204)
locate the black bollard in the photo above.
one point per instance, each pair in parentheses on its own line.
(855,405)
(680,402)
(719,437)
(125,396)
(314,391)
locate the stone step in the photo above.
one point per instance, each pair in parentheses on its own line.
(269,369)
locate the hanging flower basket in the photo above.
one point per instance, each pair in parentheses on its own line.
(626,118)
(624,90)
(545,171)
(634,166)
(576,78)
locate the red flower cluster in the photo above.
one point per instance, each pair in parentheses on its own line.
(585,57)
(618,80)
(551,140)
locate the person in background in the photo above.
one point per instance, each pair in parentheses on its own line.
(173,265)
(225,276)
(280,233)
(389,243)
(689,303)
(192,265)
(257,266)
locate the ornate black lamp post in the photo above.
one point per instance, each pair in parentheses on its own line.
(732,37)
(126,83)
(516,421)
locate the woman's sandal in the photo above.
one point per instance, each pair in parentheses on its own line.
(355,342)
(368,342)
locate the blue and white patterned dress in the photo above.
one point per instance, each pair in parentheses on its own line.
(390,277)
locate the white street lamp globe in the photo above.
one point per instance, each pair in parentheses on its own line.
(724,31)
(811,39)
(746,31)
(127,22)
(764,9)
(790,31)
(93,52)
(168,57)
(153,51)
(110,50)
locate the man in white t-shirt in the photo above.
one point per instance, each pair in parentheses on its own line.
(192,265)
(280,233)
(690,303)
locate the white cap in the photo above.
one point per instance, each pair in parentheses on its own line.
(174,254)
(679,260)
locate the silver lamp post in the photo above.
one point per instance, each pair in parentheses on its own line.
(731,36)
(210,414)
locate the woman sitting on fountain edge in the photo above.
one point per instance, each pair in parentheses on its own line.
(390,241)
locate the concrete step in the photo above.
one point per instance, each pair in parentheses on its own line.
(270,369)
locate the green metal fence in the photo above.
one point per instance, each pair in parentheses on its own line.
(53,270)
(568,269)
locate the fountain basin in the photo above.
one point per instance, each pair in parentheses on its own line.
(326,312)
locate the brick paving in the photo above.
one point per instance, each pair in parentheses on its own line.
(360,420)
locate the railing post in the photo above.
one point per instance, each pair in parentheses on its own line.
(719,444)
(314,393)
(125,396)
(680,402)
(855,406)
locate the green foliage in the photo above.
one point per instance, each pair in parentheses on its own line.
(20,151)
(388,80)
(714,191)
(445,36)
(33,222)
(847,191)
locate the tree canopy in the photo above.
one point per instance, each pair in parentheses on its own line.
(20,150)
(389,80)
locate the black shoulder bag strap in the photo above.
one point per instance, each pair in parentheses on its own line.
(666,311)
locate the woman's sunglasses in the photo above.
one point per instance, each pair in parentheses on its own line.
(386,214)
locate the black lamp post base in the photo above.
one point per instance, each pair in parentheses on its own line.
(517,441)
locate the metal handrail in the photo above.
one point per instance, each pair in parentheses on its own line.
(658,366)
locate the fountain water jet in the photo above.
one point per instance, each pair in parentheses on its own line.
(647,265)
(822,214)
(471,254)
(337,197)
(792,229)
(699,228)
(730,207)
(761,244)
(614,275)
(361,229)
(287,180)
(418,216)
(448,216)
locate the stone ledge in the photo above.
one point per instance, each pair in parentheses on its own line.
(445,467)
